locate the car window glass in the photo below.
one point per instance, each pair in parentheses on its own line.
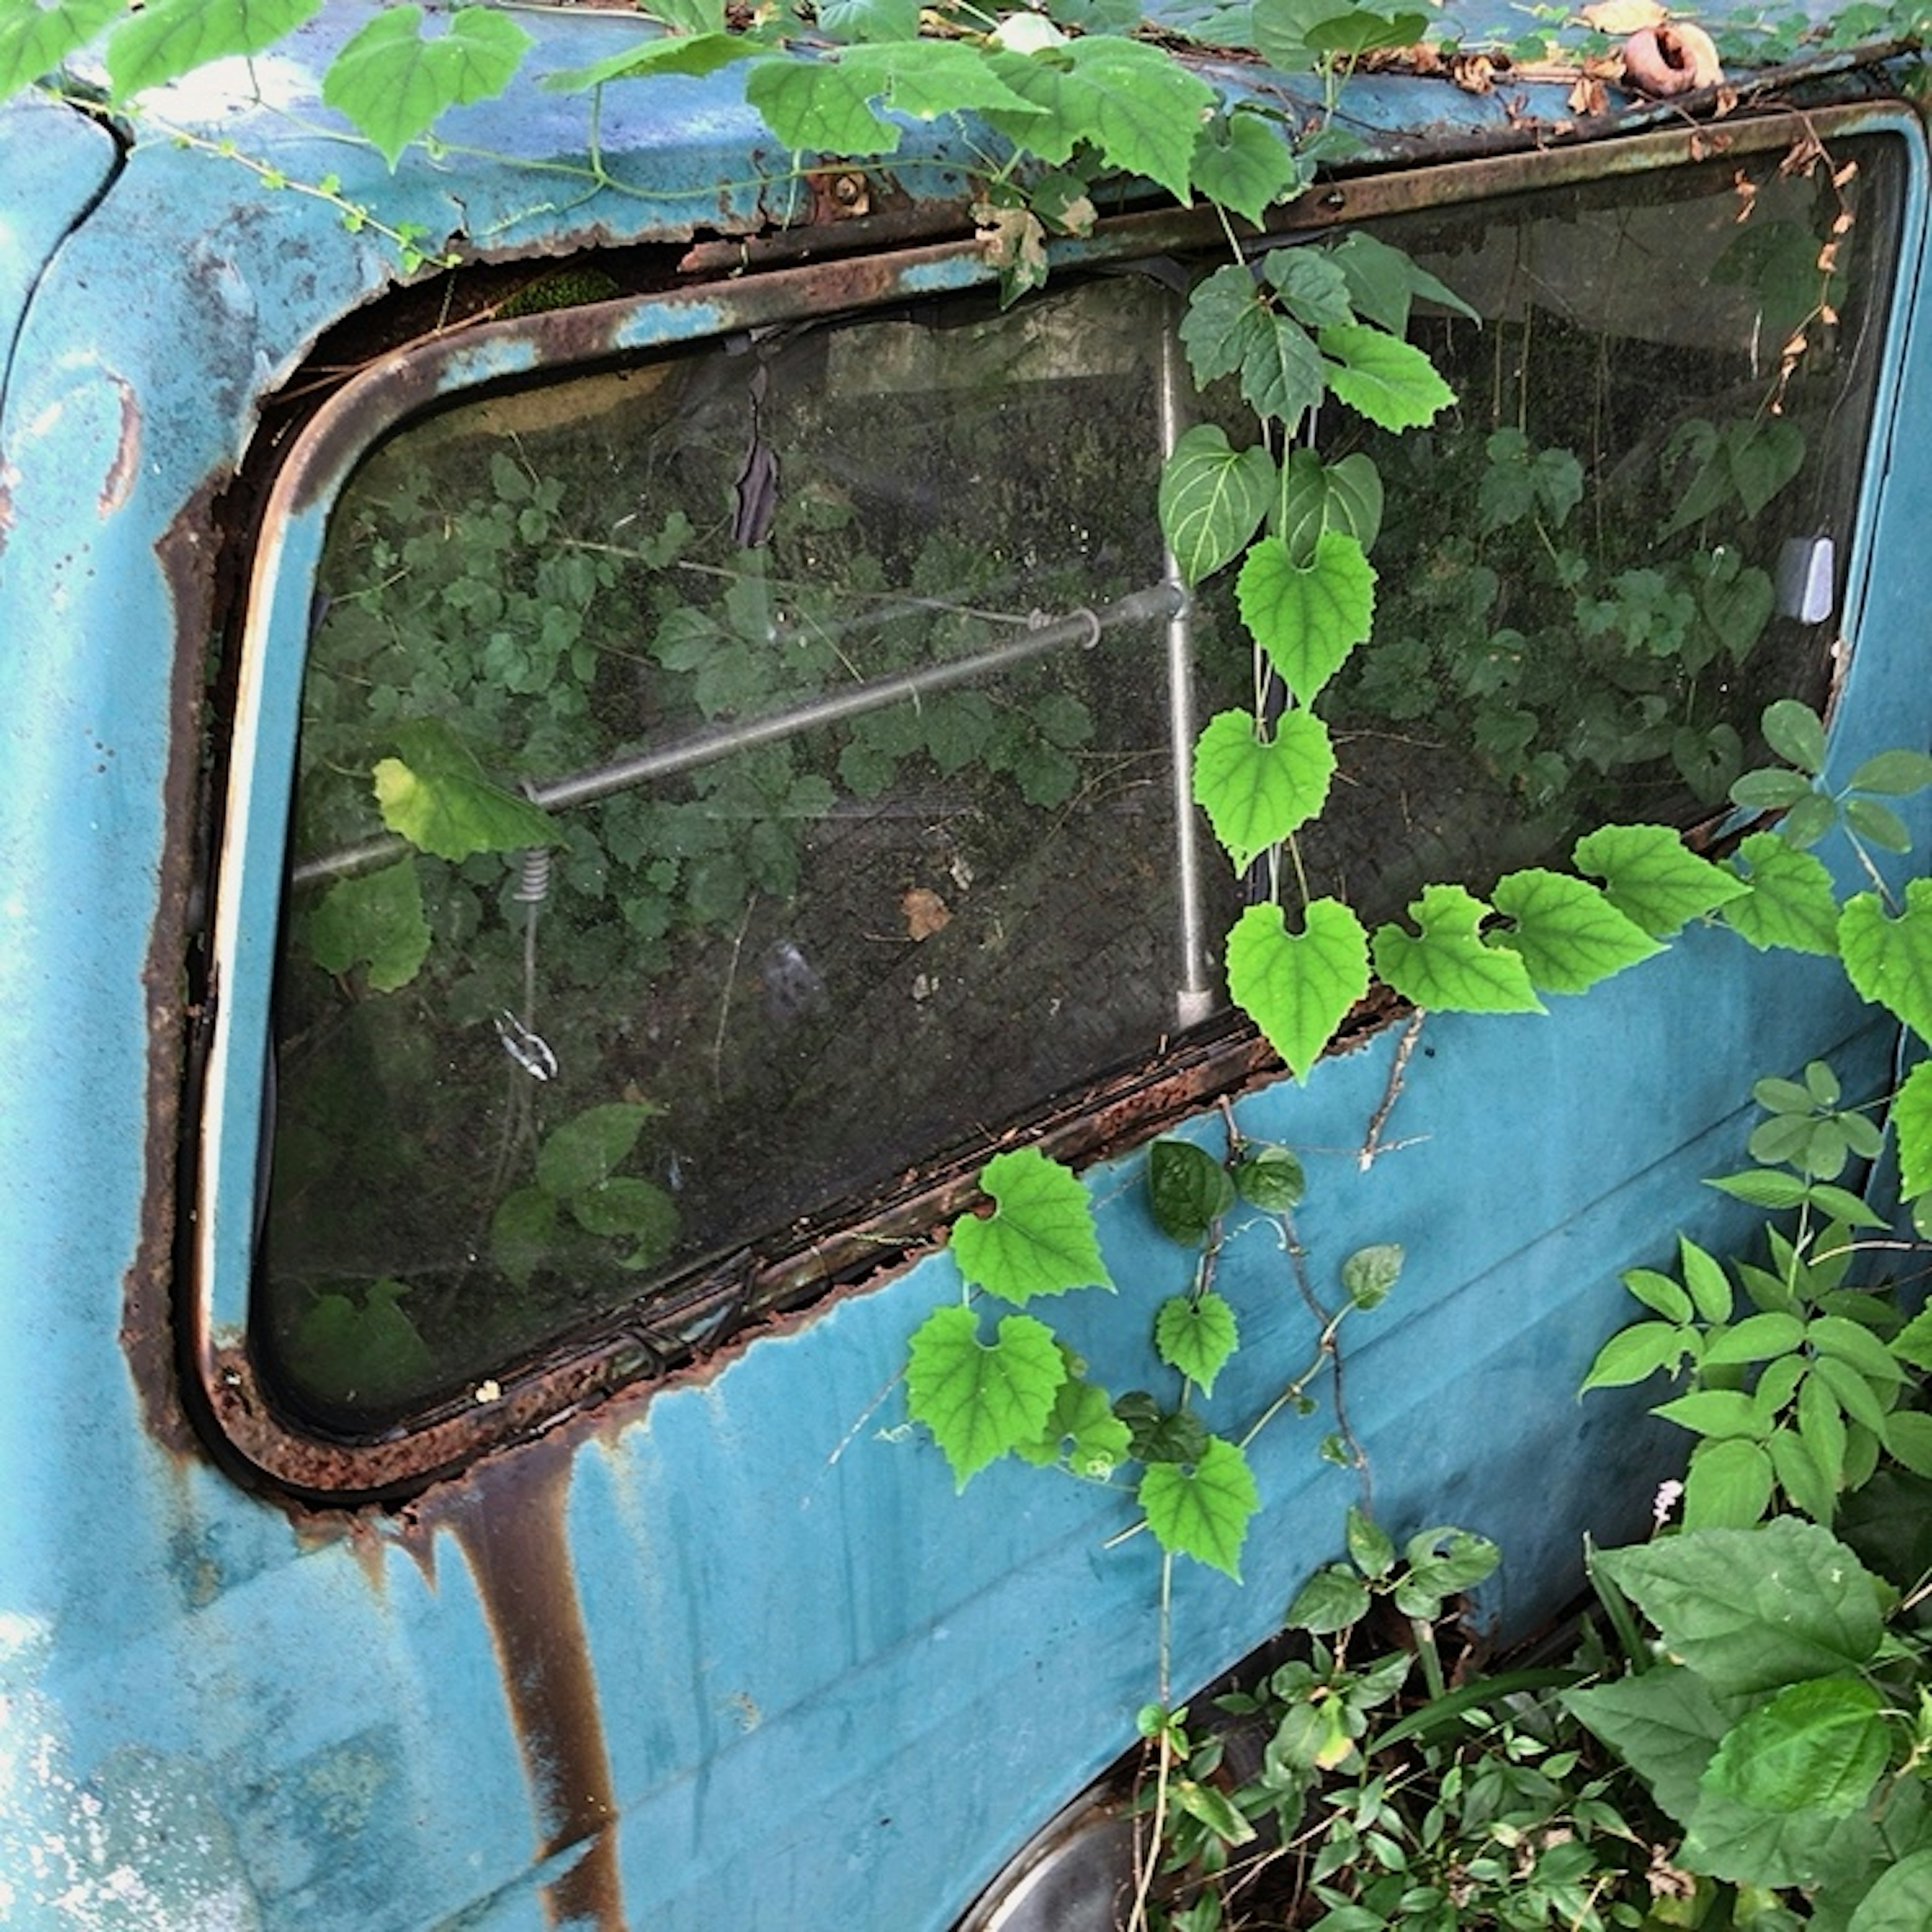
(731,783)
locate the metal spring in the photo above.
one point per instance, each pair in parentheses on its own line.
(533,879)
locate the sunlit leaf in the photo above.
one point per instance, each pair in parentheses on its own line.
(1756,1339)
(1389,381)
(1704,1276)
(1720,1413)
(1636,1353)
(1040,1240)
(168,37)
(1139,107)
(680,53)
(1196,1334)
(1298,988)
(1658,1291)
(1203,1511)
(1728,1484)
(1653,878)
(979,1399)
(1213,498)
(392,84)
(1307,618)
(1446,964)
(1912,1124)
(1852,1342)
(1566,932)
(1889,960)
(837,102)
(1790,900)
(378,919)
(34,40)
(436,796)
(1083,1430)
(1257,790)
(1855,1395)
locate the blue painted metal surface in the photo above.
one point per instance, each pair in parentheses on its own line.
(807,1686)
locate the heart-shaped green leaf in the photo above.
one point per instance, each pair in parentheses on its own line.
(1298,988)
(1566,931)
(1213,497)
(1203,1512)
(980,1399)
(1256,790)
(1040,1240)
(1890,960)
(1447,964)
(1307,618)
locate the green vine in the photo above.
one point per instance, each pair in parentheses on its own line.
(1288,492)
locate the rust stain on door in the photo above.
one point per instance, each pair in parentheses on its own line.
(508,1517)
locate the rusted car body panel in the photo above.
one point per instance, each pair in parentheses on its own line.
(712,1645)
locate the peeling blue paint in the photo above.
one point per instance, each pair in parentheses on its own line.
(830,1693)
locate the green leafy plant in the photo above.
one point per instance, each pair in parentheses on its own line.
(1783,1724)
(1793,1389)
(1785,1703)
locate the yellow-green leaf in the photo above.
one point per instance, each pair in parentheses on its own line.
(1307,618)
(1298,988)
(1203,1511)
(980,1399)
(1256,790)
(1040,1238)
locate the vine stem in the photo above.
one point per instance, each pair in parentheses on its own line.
(1371,1142)
(1147,1853)
(1327,1351)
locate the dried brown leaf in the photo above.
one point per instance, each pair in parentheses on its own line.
(926,913)
(1588,97)
(1624,17)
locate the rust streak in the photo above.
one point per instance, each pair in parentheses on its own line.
(121,473)
(186,553)
(508,1519)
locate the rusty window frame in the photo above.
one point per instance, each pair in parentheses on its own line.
(585,1369)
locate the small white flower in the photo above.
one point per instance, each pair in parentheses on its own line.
(1668,1495)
